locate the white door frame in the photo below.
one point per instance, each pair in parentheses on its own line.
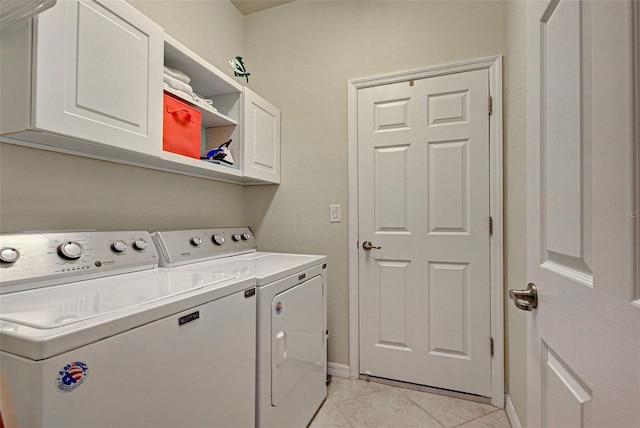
(494,66)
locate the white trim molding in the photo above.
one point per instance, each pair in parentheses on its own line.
(635,54)
(494,67)
(338,370)
(511,413)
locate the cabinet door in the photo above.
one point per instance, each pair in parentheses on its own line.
(98,74)
(261,123)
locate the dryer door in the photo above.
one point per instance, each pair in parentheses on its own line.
(297,337)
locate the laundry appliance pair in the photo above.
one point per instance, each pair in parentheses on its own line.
(108,329)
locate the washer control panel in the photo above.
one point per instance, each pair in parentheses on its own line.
(176,247)
(32,260)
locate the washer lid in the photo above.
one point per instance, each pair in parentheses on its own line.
(47,321)
(56,306)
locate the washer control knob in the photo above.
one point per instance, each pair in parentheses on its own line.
(70,250)
(140,244)
(9,255)
(119,246)
(217,239)
(196,241)
(246,236)
(235,237)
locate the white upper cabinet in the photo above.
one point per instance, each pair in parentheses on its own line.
(95,72)
(86,77)
(261,138)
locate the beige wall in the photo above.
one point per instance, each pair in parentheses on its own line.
(214,29)
(42,190)
(303,54)
(515,207)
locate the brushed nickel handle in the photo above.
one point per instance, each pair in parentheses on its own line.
(527,300)
(368,246)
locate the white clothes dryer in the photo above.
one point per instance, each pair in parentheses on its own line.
(291,293)
(93,334)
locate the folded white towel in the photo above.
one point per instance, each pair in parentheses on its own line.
(202,99)
(192,98)
(177,74)
(175,91)
(177,84)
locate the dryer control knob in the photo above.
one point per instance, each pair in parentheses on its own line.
(245,236)
(140,244)
(196,241)
(235,237)
(217,239)
(119,246)
(70,250)
(9,255)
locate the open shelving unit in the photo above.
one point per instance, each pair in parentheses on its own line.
(220,122)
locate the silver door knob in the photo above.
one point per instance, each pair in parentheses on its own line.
(527,300)
(367,245)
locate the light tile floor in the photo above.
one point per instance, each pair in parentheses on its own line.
(356,403)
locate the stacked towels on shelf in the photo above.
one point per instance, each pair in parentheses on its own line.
(177,81)
(177,74)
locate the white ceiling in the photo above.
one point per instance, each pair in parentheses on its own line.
(250,6)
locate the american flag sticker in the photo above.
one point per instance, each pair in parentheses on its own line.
(71,376)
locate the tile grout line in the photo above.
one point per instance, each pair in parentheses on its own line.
(441,423)
(340,405)
(420,407)
(345,417)
(481,416)
(399,390)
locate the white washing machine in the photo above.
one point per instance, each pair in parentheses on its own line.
(291,315)
(93,334)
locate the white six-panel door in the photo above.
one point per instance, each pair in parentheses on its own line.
(584,337)
(424,296)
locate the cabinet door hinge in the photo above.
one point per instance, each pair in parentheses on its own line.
(491,346)
(490,104)
(490,225)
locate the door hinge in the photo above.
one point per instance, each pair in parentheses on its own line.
(491,345)
(490,225)
(490,104)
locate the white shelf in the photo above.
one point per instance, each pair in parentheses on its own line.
(211,118)
(195,167)
(169,162)
(200,168)
(206,79)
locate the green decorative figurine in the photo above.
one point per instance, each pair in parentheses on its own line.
(239,70)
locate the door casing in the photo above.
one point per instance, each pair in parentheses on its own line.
(494,67)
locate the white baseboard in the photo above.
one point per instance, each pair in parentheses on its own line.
(337,369)
(511,413)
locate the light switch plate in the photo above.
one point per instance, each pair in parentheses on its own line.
(335,216)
